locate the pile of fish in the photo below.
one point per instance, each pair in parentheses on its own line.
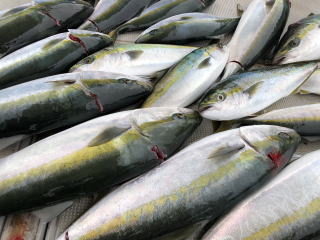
(116,115)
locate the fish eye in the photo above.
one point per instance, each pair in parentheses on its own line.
(177,116)
(220,97)
(284,135)
(294,43)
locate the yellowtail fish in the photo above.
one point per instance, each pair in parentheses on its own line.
(199,182)
(288,207)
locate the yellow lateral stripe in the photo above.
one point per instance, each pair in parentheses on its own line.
(71,161)
(300,214)
(197,185)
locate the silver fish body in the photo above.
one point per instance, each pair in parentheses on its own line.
(32,22)
(187,27)
(53,55)
(304,119)
(145,60)
(192,232)
(190,78)
(161,10)
(312,85)
(92,156)
(288,207)
(197,183)
(109,14)
(244,94)
(259,28)
(301,42)
(66,99)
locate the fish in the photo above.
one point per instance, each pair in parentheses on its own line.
(285,208)
(199,182)
(66,99)
(304,119)
(93,156)
(187,27)
(192,232)
(50,56)
(300,43)
(260,28)
(159,11)
(28,23)
(145,60)
(312,85)
(190,78)
(244,94)
(109,14)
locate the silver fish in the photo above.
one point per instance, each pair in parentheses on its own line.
(260,27)
(304,119)
(312,85)
(301,42)
(187,27)
(190,78)
(286,208)
(50,56)
(92,156)
(145,60)
(199,182)
(66,99)
(242,95)
(109,14)
(159,11)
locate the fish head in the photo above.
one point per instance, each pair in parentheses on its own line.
(90,41)
(223,102)
(166,128)
(276,143)
(289,51)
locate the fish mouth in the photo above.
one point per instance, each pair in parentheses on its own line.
(278,60)
(203,108)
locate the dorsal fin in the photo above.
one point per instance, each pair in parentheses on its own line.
(253,89)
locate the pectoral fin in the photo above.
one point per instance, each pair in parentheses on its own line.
(134,54)
(227,149)
(205,63)
(253,89)
(107,135)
